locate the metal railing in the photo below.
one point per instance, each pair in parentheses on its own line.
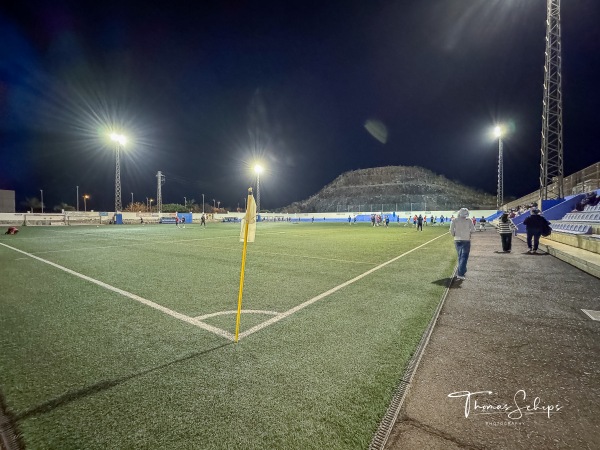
(585,180)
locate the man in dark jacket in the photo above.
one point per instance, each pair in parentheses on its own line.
(535,225)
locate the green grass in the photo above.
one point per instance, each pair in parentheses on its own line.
(84,367)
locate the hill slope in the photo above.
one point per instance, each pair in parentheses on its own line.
(393,188)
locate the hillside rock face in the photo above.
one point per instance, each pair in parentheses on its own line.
(393,188)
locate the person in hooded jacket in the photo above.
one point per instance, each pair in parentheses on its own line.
(461,228)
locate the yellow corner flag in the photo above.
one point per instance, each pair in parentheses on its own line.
(249,219)
(246,235)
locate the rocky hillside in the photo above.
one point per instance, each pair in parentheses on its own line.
(394,188)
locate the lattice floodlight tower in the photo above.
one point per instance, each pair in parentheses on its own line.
(160,180)
(551,166)
(119,141)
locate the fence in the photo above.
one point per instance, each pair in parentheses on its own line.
(585,180)
(416,206)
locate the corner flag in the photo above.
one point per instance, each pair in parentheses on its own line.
(250,219)
(246,235)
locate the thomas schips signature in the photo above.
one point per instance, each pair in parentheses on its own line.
(476,404)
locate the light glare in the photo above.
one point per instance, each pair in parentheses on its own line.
(118,138)
(258,169)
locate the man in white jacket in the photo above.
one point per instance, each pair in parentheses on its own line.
(461,228)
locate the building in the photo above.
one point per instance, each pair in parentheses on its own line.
(7,201)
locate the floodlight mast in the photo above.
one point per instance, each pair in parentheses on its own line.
(551,165)
(500,192)
(120,141)
(160,179)
(258,169)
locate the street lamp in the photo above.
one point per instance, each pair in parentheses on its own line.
(258,169)
(151,200)
(500,195)
(77,198)
(184,202)
(202,203)
(42,200)
(132,201)
(85,197)
(219,204)
(214,204)
(119,141)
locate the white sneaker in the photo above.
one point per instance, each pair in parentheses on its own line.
(458,277)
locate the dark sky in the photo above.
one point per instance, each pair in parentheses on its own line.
(204,89)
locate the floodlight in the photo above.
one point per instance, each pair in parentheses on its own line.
(258,169)
(498,131)
(118,138)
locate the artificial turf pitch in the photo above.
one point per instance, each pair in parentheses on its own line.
(83,366)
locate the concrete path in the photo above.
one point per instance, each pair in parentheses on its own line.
(514,331)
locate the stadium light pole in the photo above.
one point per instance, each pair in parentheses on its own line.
(120,142)
(85,197)
(77,198)
(42,199)
(500,195)
(258,169)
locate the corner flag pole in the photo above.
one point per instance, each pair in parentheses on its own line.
(247,219)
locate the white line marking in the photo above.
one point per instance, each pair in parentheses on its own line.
(244,311)
(137,298)
(295,309)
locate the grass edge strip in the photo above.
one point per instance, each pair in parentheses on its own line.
(391,415)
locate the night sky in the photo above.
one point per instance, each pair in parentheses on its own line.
(205,89)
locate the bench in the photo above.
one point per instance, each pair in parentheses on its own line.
(571,228)
(582,216)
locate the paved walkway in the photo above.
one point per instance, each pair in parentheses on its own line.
(515,328)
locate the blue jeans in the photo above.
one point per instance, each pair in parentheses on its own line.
(463,248)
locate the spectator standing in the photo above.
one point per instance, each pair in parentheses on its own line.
(534,225)
(482,223)
(461,228)
(506,228)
